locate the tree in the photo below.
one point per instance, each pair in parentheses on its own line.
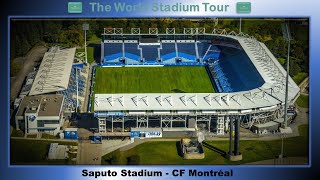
(298,53)
(52,30)
(294,66)
(73,36)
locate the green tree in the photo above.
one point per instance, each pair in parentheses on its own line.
(298,52)
(52,31)
(294,66)
(73,36)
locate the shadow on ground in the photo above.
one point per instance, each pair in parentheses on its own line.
(87,121)
(96,51)
(215,149)
(177,91)
(179,150)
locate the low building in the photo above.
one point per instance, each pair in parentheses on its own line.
(70,133)
(58,151)
(191,149)
(40,113)
(266,128)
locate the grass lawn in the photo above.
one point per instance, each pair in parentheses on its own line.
(92,103)
(166,152)
(90,53)
(152,80)
(94,40)
(32,152)
(299,77)
(303,101)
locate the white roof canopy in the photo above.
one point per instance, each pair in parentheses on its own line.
(54,72)
(257,98)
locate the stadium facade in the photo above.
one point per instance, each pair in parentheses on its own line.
(49,95)
(249,80)
(40,113)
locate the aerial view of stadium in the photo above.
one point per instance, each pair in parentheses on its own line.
(160,91)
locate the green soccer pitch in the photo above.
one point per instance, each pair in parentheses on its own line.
(152,80)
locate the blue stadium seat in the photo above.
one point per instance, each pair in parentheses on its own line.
(132,51)
(167,52)
(239,70)
(112,51)
(71,91)
(150,53)
(207,51)
(230,66)
(187,51)
(221,81)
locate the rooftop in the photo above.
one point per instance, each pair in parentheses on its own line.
(43,105)
(57,151)
(266,125)
(54,71)
(185,101)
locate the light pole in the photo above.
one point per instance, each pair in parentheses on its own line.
(77,89)
(85,27)
(288,38)
(282,137)
(240,26)
(287,82)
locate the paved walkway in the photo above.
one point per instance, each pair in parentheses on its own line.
(302,118)
(88,85)
(303,86)
(35,54)
(35,139)
(88,153)
(112,145)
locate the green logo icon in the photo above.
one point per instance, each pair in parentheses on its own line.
(74,7)
(243,7)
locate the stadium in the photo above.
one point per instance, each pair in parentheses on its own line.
(186,82)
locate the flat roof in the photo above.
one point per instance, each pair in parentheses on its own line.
(54,71)
(71,129)
(43,105)
(57,151)
(266,125)
(146,129)
(279,120)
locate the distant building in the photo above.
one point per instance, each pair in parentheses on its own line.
(40,113)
